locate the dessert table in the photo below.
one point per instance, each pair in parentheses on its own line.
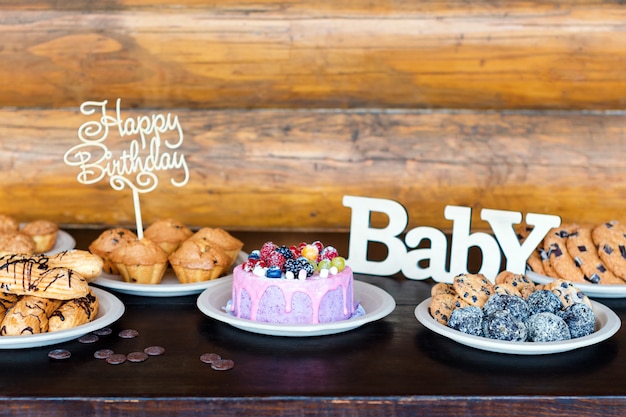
(390,367)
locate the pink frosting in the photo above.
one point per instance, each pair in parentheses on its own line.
(315,288)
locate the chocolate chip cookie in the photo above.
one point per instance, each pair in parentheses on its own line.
(610,238)
(555,245)
(475,289)
(582,249)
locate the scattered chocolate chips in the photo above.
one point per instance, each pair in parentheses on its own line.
(116,359)
(88,338)
(105,331)
(128,333)
(103,353)
(59,354)
(154,350)
(137,356)
(210,357)
(216,361)
(223,364)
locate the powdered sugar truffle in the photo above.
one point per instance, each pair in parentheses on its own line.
(515,305)
(467,320)
(547,327)
(580,319)
(544,301)
(502,325)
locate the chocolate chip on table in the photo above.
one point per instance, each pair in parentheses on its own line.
(103,353)
(137,357)
(210,357)
(105,331)
(216,361)
(116,359)
(88,338)
(128,333)
(223,364)
(59,354)
(154,350)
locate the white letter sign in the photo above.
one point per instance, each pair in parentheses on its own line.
(430,261)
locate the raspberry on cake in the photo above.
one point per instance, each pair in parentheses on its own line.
(304,284)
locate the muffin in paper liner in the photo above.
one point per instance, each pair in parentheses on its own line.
(141,261)
(199,260)
(230,244)
(43,232)
(168,234)
(108,242)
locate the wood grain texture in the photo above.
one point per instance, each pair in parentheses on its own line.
(397,406)
(277,169)
(322,54)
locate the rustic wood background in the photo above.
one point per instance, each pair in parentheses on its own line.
(286,107)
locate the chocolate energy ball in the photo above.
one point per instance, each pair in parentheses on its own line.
(502,325)
(547,327)
(515,305)
(544,301)
(467,320)
(580,319)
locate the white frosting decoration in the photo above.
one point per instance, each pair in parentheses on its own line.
(259,271)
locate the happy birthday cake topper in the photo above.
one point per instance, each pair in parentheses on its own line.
(155,147)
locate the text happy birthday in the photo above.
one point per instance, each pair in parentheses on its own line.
(158,137)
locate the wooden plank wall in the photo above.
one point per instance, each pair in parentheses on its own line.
(286,107)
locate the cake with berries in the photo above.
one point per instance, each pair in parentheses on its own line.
(304,284)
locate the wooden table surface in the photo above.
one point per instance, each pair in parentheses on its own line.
(392,367)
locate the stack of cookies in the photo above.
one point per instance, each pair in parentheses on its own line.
(590,254)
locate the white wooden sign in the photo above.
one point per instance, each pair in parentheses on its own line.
(401,259)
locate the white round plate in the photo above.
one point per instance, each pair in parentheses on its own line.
(110,309)
(607,324)
(169,286)
(64,241)
(376,302)
(591,290)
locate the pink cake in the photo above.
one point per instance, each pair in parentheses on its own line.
(308,284)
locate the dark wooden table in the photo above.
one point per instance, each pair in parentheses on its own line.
(392,367)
